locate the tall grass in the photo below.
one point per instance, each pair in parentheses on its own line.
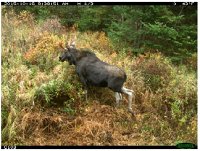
(165,98)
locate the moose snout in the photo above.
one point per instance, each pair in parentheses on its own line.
(59,58)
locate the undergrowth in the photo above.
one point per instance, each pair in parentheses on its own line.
(42,98)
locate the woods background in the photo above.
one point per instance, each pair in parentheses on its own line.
(42,99)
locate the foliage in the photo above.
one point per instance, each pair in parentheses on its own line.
(166,32)
(126,30)
(42,98)
(170,29)
(156,71)
(45,48)
(93,18)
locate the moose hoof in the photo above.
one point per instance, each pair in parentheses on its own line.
(131,111)
(116,106)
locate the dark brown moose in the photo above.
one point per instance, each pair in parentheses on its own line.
(92,69)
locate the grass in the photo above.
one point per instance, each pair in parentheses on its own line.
(43,101)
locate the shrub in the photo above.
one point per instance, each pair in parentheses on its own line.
(25,17)
(44,51)
(61,86)
(16,94)
(156,70)
(53,26)
(182,96)
(165,90)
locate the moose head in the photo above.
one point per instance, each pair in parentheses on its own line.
(67,55)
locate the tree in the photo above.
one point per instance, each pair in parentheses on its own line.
(93,18)
(171,30)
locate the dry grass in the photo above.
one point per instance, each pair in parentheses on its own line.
(98,125)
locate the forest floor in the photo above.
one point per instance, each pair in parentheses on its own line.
(97,125)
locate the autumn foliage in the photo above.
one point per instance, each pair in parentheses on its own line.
(43,100)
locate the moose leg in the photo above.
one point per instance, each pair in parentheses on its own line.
(83,81)
(118,97)
(129,93)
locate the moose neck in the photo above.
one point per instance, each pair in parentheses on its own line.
(74,53)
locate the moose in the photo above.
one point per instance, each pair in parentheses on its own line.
(90,68)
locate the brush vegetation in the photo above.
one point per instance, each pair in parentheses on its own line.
(42,99)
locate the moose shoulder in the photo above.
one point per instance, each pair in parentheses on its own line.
(90,68)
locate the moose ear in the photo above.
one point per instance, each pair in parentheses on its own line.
(67,46)
(73,44)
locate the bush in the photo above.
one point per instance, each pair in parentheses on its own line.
(44,49)
(182,96)
(163,89)
(156,71)
(61,83)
